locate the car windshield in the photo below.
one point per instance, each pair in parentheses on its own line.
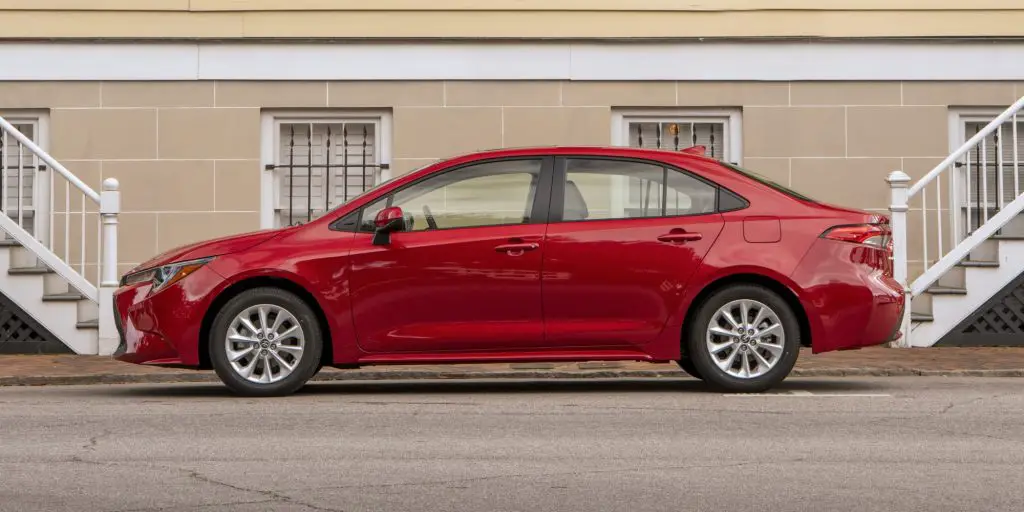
(761,179)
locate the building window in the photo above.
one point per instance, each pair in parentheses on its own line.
(718,131)
(990,175)
(21,179)
(320,162)
(987,155)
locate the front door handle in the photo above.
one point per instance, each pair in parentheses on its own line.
(678,237)
(517,248)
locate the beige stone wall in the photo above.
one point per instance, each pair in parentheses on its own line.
(506,18)
(188,153)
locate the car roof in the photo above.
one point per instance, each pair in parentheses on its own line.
(649,153)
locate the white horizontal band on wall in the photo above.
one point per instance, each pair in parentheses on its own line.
(514,61)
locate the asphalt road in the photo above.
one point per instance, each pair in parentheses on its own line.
(857,444)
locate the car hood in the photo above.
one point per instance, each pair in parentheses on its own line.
(212,247)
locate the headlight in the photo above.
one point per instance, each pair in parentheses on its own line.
(165,275)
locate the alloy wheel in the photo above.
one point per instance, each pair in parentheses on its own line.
(264,343)
(745,338)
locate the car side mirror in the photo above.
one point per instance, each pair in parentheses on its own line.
(387,220)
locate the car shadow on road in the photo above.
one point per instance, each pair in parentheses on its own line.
(449,387)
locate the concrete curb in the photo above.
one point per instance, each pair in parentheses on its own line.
(372,375)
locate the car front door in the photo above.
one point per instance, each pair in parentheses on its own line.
(465,273)
(624,239)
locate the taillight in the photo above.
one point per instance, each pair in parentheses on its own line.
(873,235)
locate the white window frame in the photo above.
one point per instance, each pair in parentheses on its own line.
(42,186)
(958,119)
(730,118)
(270,132)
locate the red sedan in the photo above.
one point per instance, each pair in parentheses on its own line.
(540,254)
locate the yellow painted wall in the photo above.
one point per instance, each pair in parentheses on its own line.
(507,18)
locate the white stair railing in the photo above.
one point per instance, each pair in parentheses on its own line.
(963,213)
(35,229)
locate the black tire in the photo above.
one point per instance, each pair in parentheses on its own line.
(702,358)
(687,365)
(308,362)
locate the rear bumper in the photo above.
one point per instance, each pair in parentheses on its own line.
(849,304)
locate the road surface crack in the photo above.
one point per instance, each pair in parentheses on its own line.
(272,495)
(972,401)
(90,445)
(540,475)
(211,505)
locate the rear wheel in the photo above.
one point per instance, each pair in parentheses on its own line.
(265,342)
(744,338)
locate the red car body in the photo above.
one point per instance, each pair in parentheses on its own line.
(595,290)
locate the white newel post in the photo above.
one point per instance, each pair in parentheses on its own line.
(110,206)
(899,182)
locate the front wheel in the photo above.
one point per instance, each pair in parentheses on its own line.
(744,338)
(265,342)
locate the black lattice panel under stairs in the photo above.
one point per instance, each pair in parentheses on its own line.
(998,322)
(20,334)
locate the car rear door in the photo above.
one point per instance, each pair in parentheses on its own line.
(465,275)
(625,237)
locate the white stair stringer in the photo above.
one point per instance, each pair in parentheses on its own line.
(61,318)
(981,283)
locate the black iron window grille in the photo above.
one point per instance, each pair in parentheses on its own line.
(985,192)
(321,165)
(678,135)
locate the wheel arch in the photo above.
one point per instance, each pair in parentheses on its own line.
(233,290)
(770,283)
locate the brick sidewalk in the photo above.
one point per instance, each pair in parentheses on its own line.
(69,369)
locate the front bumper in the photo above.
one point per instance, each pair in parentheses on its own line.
(164,328)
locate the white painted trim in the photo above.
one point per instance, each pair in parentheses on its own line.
(270,123)
(267,149)
(691,61)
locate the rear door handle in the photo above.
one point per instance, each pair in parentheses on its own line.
(680,237)
(516,249)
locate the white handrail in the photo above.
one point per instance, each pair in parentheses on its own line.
(40,240)
(44,156)
(967,146)
(984,232)
(977,231)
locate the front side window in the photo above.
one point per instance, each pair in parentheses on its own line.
(597,189)
(486,194)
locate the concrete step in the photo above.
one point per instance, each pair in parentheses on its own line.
(947,290)
(63,297)
(29,271)
(88,324)
(979,264)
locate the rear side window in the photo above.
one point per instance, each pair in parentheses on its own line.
(603,189)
